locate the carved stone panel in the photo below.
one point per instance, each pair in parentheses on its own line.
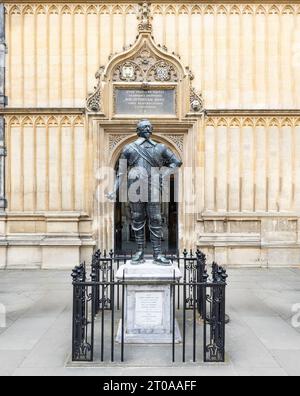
(177,139)
(115,139)
(145,66)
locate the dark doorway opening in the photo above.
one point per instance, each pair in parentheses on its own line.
(124,235)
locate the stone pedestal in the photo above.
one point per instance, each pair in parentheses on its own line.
(148,303)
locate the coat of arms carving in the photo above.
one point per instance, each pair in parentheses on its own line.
(162,72)
(127,72)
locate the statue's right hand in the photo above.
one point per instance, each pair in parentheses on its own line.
(111,196)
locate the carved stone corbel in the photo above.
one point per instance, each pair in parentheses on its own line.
(196,101)
(94,101)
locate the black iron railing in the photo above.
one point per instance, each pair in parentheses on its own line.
(198,305)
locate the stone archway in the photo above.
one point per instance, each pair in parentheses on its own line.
(124,240)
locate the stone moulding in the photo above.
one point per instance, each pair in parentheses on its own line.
(183,7)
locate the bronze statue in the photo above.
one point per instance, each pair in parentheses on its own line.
(150,164)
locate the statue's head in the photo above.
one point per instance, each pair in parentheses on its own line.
(144,129)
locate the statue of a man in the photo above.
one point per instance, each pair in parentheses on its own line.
(148,163)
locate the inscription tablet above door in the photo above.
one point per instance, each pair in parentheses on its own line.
(139,102)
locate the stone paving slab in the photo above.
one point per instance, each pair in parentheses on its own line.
(274,333)
(289,359)
(260,337)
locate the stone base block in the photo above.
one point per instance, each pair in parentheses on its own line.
(149,338)
(20,257)
(3,251)
(148,305)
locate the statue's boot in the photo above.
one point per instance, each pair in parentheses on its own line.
(159,259)
(138,257)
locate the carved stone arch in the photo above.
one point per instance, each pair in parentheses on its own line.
(170,10)
(53,10)
(274,122)
(261,122)
(27,121)
(78,121)
(210,122)
(235,10)
(209,10)
(79,10)
(92,10)
(157,10)
(117,10)
(196,10)
(274,10)
(15,10)
(183,10)
(288,9)
(115,154)
(248,122)
(261,10)
(105,9)
(40,121)
(41,10)
(52,121)
(28,10)
(222,122)
(248,10)
(131,10)
(14,121)
(66,121)
(66,10)
(287,122)
(222,10)
(235,123)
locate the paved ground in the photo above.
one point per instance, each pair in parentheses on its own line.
(260,338)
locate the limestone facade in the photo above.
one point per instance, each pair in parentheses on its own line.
(242,60)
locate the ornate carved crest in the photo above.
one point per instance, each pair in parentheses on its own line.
(145,66)
(162,72)
(127,71)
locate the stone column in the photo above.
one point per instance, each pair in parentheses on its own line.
(2,104)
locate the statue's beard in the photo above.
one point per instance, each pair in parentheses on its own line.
(145,135)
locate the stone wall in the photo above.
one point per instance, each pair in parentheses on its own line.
(242,55)
(246,63)
(2,105)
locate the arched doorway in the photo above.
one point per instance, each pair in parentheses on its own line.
(109,139)
(124,235)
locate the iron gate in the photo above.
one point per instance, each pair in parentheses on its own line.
(98,301)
